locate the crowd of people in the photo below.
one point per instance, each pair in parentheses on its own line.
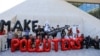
(47,32)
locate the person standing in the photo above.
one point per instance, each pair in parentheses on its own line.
(96,43)
(82,41)
(26,33)
(3,40)
(47,27)
(70,32)
(58,33)
(77,31)
(54,34)
(88,41)
(19,33)
(39,32)
(63,33)
(74,33)
(10,35)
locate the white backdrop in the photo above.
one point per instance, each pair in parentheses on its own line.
(55,11)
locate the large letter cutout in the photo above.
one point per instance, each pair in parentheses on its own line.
(23,45)
(14,44)
(46,45)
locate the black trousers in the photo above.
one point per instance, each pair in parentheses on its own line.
(9,43)
(82,44)
(87,45)
(27,37)
(96,45)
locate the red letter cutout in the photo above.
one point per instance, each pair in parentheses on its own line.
(55,40)
(23,45)
(65,44)
(30,49)
(46,45)
(14,44)
(77,42)
(37,46)
(72,43)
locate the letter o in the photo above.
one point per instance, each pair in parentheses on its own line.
(46,45)
(22,47)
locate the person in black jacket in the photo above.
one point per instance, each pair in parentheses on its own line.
(39,32)
(87,41)
(54,34)
(63,33)
(96,42)
(82,42)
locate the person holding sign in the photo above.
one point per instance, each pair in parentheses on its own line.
(3,40)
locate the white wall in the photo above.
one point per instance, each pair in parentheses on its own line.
(56,12)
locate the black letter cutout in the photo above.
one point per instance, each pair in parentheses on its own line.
(26,24)
(33,25)
(2,23)
(18,26)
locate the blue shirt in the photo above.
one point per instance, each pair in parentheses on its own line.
(26,32)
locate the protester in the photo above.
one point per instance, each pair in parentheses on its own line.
(43,33)
(3,40)
(24,37)
(33,40)
(30,36)
(87,41)
(2,32)
(39,31)
(63,33)
(52,29)
(69,32)
(46,37)
(26,33)
(19,33)
(10,35)
(82,42)
(47,27)
(96,42)
(78,32)
(74,31)
(58,33)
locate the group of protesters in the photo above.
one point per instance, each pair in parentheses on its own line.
(43,32)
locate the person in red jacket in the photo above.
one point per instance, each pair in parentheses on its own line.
(70,32)
(2,32)
(78,31)
(3,40)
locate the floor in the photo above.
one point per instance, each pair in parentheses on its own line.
(82,52)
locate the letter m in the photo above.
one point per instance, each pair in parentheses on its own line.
(3,23)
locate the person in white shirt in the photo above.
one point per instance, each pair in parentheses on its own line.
(47,28)
(10,35)
(3,40)
(74,31)
(19,33)
(58,33)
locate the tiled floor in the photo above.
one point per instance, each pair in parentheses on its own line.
(82,52)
